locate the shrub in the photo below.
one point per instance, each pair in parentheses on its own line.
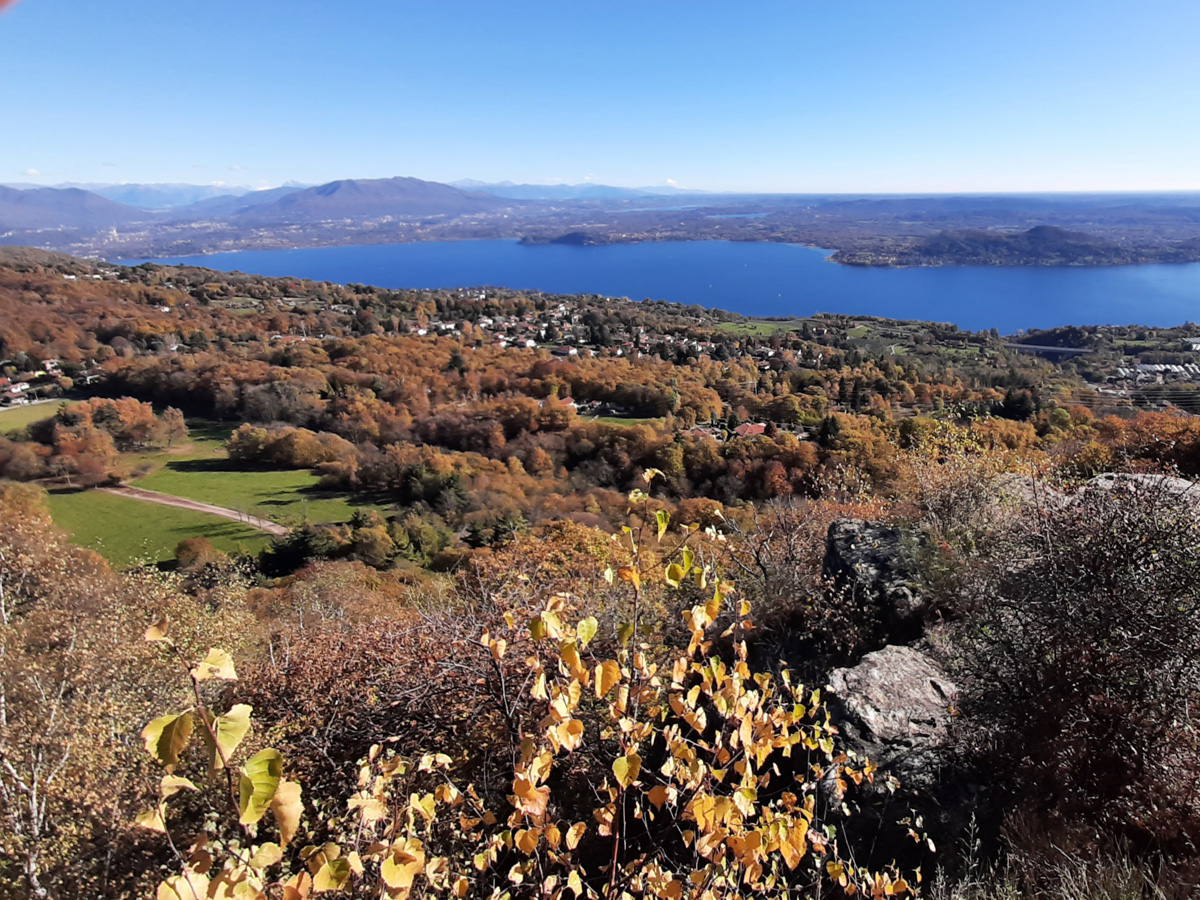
(1081,662)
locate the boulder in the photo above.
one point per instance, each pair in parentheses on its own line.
(895,708)
(1165,485)
(1019,492)
(873,563)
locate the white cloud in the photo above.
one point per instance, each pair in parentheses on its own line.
(672,182)
(237,168)
(31,173)
(589,177)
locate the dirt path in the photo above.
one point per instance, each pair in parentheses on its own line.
(195,505)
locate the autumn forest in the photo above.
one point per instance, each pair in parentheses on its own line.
(496,593)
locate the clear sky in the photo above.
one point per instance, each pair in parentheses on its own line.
(845,95)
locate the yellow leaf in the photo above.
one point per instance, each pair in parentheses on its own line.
(287,806)
(526,840)
(664,520)
(497,647)
(166,737)
(266,855)
(173,784)
(554,628)
(608,674)
(403,865)
(797,840)
(745,800)
(575,883)
(531,800)
(218,664)
(298,887)
(157,631)
(461,887)
(230,729)
(575,834)
(570,654)
(152,819)
(626,540)
(629,574)
(423,804)
(586,630)
(569,734)
(257,784)
(371,809)
(658,796)
(627,768)
(674,575)
(650,474)
(332,876)
(179,887)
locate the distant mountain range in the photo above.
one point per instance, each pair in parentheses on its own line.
(167,196)
(225,205)
(371,199)
(27,208)
(587,191)
(36,209)
(162,220)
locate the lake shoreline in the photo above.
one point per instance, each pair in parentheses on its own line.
(834,255)
(754,279)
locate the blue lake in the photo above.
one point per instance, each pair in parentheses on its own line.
(757,279)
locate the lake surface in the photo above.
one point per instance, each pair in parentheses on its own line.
(757,279)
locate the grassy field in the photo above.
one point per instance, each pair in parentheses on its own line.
(288,497)
(19,416)
(200,470)
(761,327)
(624,420)
(858,331)
(126,531)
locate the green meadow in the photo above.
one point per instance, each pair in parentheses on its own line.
(126,531)
(624,420)
(761,327)
(17,417)
(200,469)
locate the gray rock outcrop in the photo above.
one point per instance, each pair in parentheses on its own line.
(872,561)
(895,708)
(1166,484)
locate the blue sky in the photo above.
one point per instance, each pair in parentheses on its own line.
(789,96)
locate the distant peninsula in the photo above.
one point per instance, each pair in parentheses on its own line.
(1042,245)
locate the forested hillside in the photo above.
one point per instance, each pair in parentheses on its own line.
(526,595)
